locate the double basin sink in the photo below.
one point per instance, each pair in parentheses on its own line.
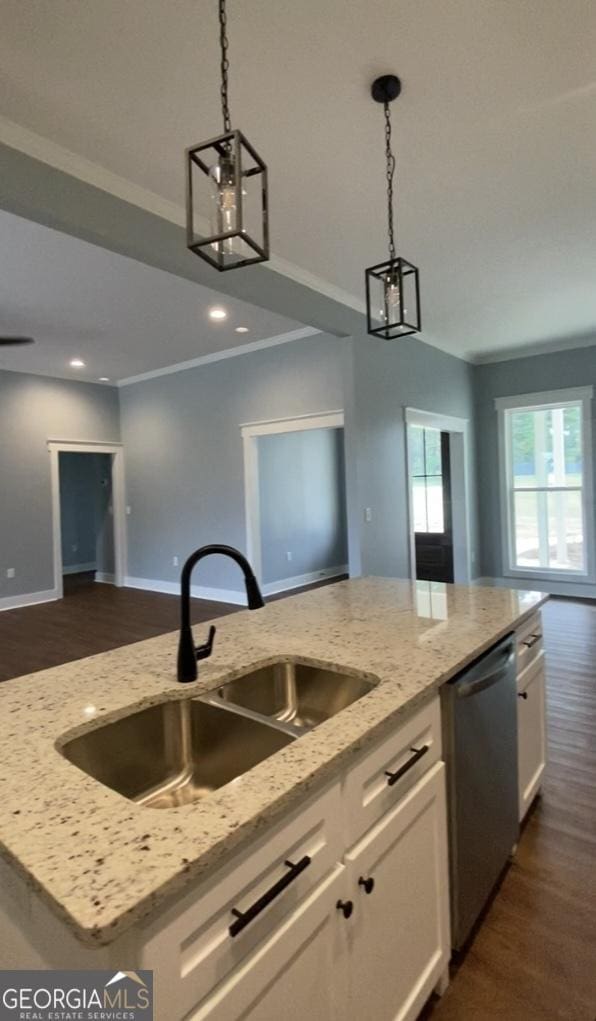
(179,751)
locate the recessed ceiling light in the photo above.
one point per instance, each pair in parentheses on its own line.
(242,329)
(104,379)
(77,363)
(218,313)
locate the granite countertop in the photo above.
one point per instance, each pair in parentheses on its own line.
(102,862)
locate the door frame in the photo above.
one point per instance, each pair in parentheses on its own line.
(55,448)
(250,433)
(458,429)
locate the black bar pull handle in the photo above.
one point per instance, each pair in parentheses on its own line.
(531,640)
(243,918)
(418,753)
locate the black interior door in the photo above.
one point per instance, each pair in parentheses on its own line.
(434,549)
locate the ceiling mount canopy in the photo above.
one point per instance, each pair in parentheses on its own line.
(226,184)
(392,287)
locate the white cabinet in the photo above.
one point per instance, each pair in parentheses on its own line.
(298,973)
(325,943)
(531,711)
(398,937)
(197,944)
(531,733)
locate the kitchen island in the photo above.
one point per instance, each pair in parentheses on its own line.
(91,877)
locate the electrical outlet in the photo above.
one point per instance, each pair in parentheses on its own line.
(289,555)
(129,510)
(368,514)
(10,572)
(176,561)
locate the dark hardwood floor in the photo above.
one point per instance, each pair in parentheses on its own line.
(93,618)
(534,957)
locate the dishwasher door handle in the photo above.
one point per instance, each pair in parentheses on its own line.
(465,689)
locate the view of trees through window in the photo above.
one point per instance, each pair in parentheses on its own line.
(546,460)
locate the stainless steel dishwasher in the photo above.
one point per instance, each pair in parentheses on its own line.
(480,747)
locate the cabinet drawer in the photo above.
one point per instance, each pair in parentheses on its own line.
(377,782)
(529,642)
(192,948)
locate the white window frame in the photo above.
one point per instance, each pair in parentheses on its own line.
(546,401)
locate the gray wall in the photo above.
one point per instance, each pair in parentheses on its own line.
(389,376)
(507,379)
(86,522)
(184,460)
(183,448)
(302,492)
(34,409)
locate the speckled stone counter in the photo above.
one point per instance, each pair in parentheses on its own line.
(102,862)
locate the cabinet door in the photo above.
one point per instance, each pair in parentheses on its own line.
(531,735)
(399,937)
(299,973)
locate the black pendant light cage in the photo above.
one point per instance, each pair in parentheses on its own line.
(226,185)
(393,286)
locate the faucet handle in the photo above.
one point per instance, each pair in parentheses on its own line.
(204,651)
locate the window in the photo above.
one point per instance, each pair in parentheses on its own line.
(427,479)
(545,446)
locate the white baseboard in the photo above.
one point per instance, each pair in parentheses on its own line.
(286,584)
(79,568)
(554,588)
(28,599)
(217,595)
(105,577)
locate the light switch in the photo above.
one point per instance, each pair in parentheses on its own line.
(368,514)
(10,572)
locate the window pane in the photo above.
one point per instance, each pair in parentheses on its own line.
(565,531)
(433,452)
(416,443)
(531,529)
(434,503)
(572,433)
(531,440)
(419,502)
(546,447)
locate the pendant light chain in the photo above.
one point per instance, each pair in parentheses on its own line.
(225,65)
(390,174)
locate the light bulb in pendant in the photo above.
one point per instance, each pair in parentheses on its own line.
(224,209)
(392,313)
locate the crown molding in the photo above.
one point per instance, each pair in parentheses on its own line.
(218,356)
(541,348)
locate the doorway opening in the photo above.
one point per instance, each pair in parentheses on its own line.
(431,503)
(86,520)
(438,497)
(88,514)
(296,514)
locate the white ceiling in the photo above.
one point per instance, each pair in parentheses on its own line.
(495,133)
(121,317)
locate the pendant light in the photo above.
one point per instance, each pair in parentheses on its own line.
(226,182)
(392,287)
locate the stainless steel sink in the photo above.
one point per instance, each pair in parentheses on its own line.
(297,695)
(175,752)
